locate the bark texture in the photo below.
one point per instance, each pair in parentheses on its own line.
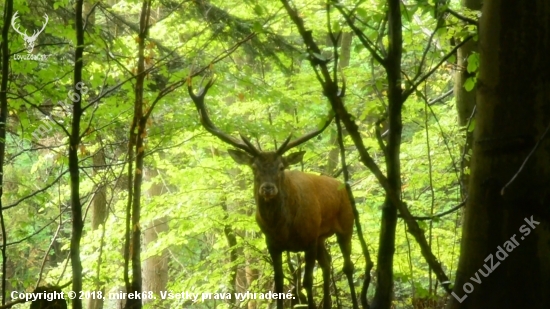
(503,249)
(99,214)
(155,268)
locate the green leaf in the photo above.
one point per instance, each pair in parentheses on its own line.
(472,126)
(321,123)
(336,27)
(452,59)
(470,83)
(423,225)
(257,26)
(258,9)
(362,13)
(473,63)
(412,9)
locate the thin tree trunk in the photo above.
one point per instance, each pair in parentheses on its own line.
(76,206)
(132,248)
(238,278)
(155,268)
(99,214)
(229,233)
(345,45)
(99,209)
(8,11)
(384,269)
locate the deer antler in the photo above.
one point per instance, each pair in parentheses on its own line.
(15,27)
(207,123)
(287,144)
(198,99)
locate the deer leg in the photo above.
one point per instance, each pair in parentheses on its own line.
(323,257)
(277,258)
(310,256)
(344,241)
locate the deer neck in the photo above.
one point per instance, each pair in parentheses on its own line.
(274,212)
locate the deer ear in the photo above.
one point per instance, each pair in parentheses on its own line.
(240,157)
(294,158)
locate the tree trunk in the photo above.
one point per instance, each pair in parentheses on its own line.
(506,230)
(345,55)
(99,213)
(155,268)
(74,168)
(8,8)
(241,276)
(136,151)
(384,267)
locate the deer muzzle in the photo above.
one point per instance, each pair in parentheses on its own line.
(268,190)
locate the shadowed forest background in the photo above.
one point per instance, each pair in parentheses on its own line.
(110,183)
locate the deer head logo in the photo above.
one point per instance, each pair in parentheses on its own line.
(29,40)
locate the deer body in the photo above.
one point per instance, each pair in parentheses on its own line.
(305,211)
(296,211)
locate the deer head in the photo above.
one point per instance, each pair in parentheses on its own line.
(268,167)
(29,40)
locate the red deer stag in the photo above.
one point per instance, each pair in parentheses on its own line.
(296,211)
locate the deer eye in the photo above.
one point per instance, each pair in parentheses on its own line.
(281,168)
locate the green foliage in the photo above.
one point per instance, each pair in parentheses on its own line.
(203,192)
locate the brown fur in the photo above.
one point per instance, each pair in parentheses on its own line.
(317,206)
